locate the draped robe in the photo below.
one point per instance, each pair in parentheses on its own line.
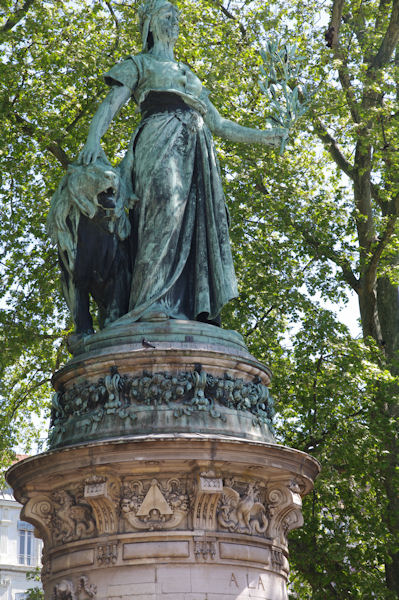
(182,262)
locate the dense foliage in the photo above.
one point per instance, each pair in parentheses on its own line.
(306,227)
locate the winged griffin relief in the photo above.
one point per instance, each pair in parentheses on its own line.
(242,513)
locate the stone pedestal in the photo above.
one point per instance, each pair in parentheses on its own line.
(164,480)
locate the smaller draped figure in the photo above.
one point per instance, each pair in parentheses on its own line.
(182,265)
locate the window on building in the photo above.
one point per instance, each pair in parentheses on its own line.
(3,539)
(20,596)
(4,514)
(25,543)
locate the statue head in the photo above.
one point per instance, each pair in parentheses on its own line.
(147,12)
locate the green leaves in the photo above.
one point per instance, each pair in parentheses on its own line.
(288,99)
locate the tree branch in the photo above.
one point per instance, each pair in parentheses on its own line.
(332,255)
(389,41)
(376,194)
(382,12)
(261,319)
(335,23)
(347,87)
(53,147)
(365,221)
(16,17)
(332,37)
(333,148)
(273,307)
(322,439)
(115,18)
(22,397)
(230,15)
(372,266)
(324,250)
(358,25)
(89,105)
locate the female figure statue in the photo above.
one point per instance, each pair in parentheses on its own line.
(182,263)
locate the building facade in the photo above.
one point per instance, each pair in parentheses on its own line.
(20,551)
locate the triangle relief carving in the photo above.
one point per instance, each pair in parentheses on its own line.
(154,502)
(154,505)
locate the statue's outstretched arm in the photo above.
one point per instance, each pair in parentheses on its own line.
(116,98)
(237,133)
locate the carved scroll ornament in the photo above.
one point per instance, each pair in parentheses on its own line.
(102,494)
(285,508)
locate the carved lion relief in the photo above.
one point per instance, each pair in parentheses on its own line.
(72,518)
(60,517)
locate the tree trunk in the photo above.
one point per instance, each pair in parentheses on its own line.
(388,315)
(379,312)
(388,311)
(369,314)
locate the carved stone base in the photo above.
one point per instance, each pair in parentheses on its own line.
(164,481)
(179,517)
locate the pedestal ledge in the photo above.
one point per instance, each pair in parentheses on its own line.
(187,517)
(174,377)
(171,334)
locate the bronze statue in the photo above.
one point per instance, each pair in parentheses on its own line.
(181,259)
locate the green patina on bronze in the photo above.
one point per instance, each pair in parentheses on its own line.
(180,257)
(114,405)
